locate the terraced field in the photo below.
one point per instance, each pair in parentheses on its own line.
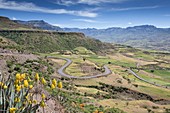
(122,89)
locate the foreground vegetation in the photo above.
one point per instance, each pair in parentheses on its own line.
(25,92)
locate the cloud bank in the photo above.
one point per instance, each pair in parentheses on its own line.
(89,2)
(30,7)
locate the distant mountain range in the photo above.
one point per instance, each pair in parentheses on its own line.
(144,36)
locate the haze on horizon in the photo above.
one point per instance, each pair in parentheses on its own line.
(90,13)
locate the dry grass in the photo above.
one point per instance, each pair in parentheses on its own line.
(90,90)
(59,61)
(136,106)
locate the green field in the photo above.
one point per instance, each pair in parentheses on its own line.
(118,63)
(162,73)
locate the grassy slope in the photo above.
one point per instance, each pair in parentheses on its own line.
(53,41)
(7,43)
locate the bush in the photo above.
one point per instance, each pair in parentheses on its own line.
(155,107)
(152,71)
(17,96)
(167,110)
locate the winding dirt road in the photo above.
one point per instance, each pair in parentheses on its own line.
(61,71)
(137,76)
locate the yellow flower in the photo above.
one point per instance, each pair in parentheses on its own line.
(54,82)
(31,86)
(18,88)
(17,100)
(22,76)
(16,82)
(12,110)
(42,104)
(60,85)
(37,77)
(5,87)
(52,86)
(26,83)
(96,111)
(29,102)
(43,96)
(43,81)
(18,76)
(24,103)
(1,83)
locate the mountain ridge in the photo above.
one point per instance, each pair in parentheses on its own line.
(142,36)
(6,23)
(145,36)
(44,41)
(39,24)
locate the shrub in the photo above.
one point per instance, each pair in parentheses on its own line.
(155,107)
(16,95)
(152,71)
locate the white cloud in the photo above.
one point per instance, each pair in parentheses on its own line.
(64,2)
(89,2)
(89,21)
(85,20)
(57,25)
(94,2)
(13,18)
(30,7)
(134,8)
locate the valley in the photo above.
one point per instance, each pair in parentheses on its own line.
(72,73)
(126,87)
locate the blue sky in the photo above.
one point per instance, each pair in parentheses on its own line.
(90,13)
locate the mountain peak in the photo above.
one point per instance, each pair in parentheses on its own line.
(6,23)
(37,21)
(40,24)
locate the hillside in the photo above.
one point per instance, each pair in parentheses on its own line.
(46,41)
(6,23)
(144,36)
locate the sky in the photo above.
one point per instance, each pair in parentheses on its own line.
(90,13)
